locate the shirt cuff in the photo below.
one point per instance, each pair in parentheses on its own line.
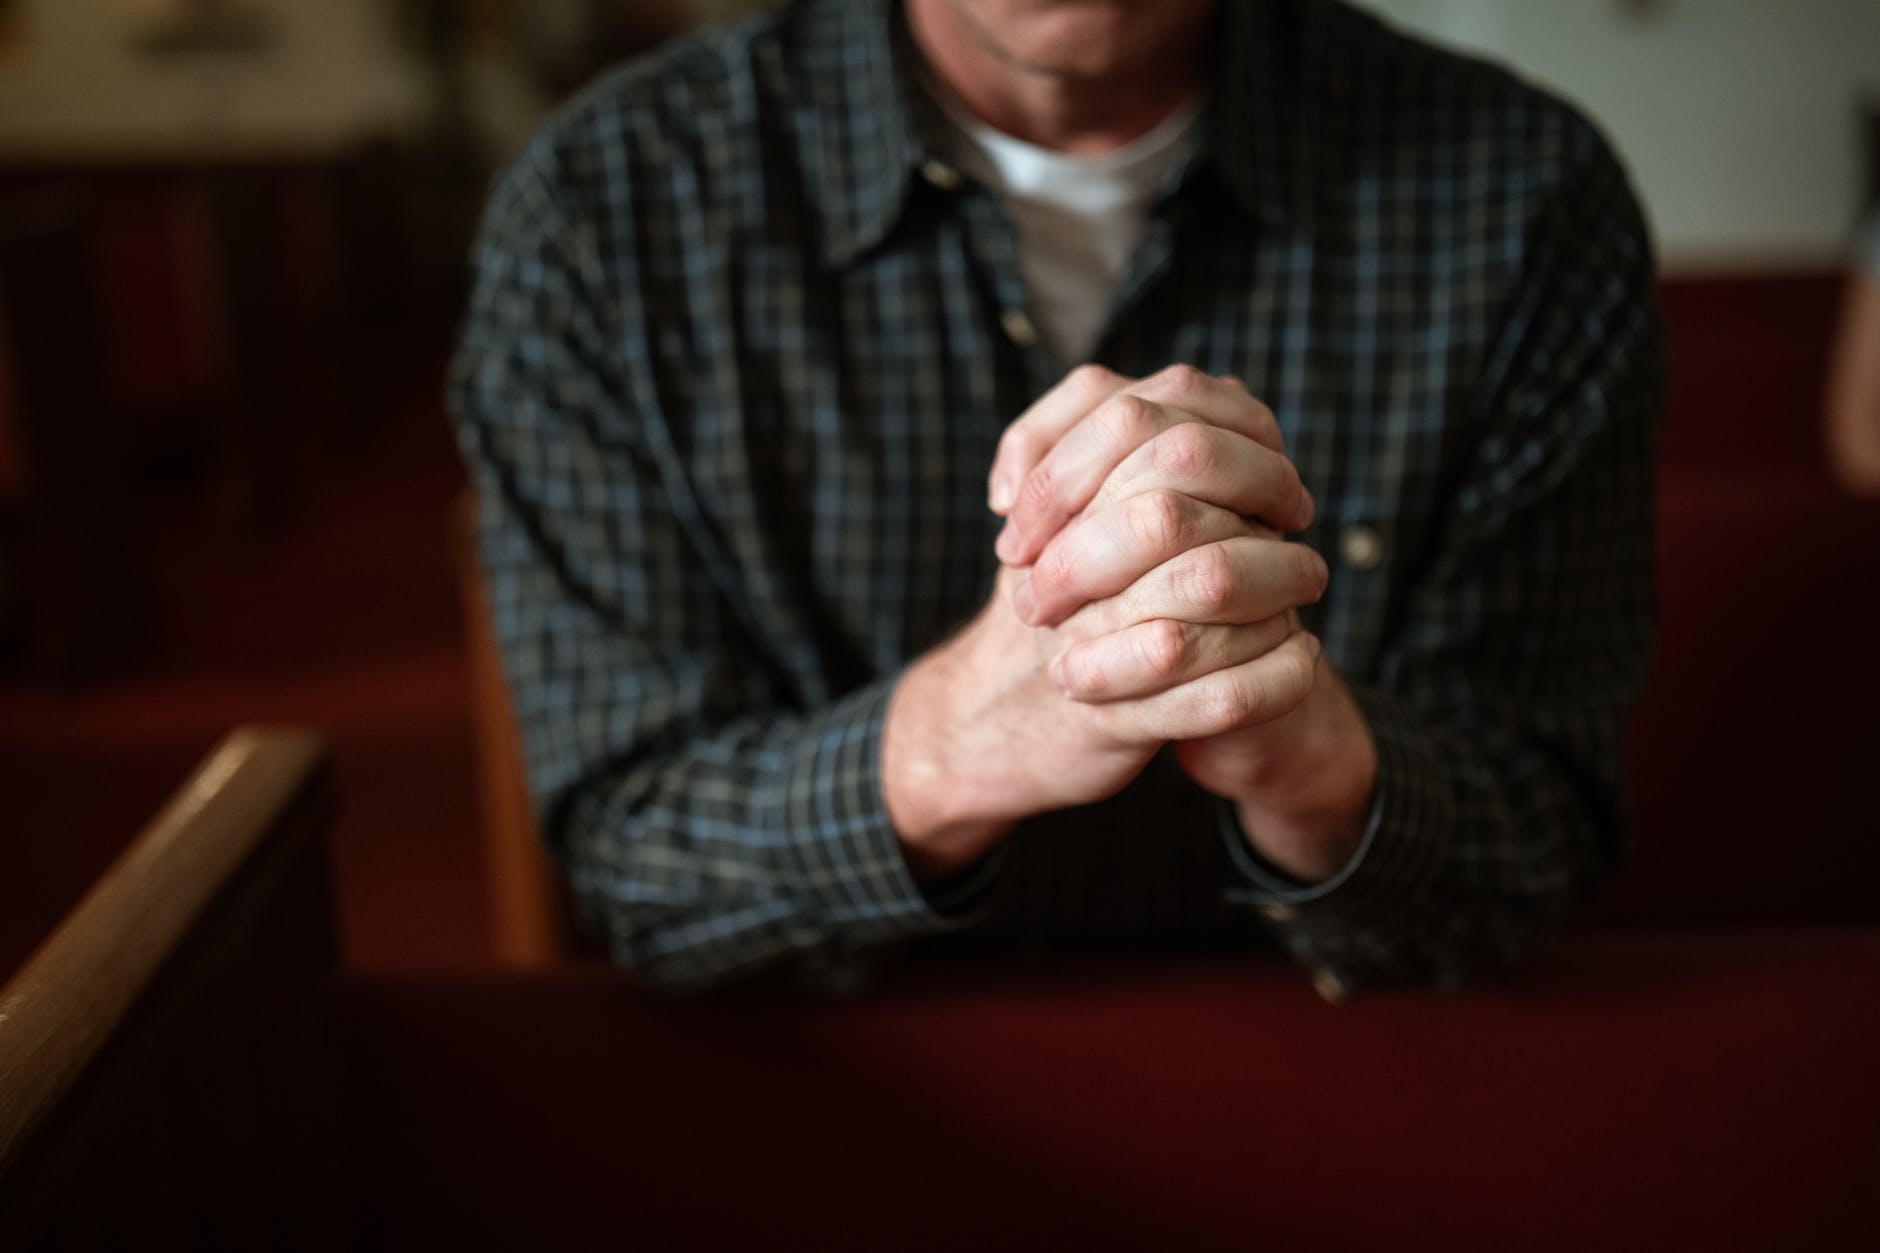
(1412,809)
(846,853)
(966,894)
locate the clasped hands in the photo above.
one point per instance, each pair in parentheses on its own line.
(1146,597)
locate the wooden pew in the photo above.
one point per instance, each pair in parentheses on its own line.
(66,535)
(164,1061)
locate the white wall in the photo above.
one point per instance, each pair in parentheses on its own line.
(71,82)
(1735,116)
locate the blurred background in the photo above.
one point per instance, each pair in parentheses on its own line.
(231,260)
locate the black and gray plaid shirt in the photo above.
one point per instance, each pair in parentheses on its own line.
(741,347)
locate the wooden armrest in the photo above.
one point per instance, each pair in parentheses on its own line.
(531,924)
(173,1015)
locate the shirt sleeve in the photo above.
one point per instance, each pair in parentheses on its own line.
(710,820)
(1499,704)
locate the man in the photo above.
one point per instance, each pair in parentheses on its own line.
(1311,611)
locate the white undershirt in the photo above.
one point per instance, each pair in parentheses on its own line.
(1078,219)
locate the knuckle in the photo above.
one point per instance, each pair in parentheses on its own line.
(1280,683)
(1263,413)
(1208,579)
(1165,645)
(1127,420)
(1291,487)
(1227,705)
(1039,487)
(1159,520)
(1183,451)
(1266,424)
(1091,377)
(1053,572)
(1084,672)
(1303,505)
(1180,380)
(1017,442)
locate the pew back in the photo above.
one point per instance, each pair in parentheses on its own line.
(163,1056)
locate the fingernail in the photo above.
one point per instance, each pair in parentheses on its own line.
(1313,646)
(1024,604)
(1002,492)
(1008,544)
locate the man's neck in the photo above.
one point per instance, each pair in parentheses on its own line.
(1081,114)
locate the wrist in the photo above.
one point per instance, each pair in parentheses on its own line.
(1305,798)
(940,811)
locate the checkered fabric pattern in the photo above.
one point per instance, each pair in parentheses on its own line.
(740,351)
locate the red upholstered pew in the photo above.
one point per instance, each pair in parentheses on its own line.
(1754,762)
(1754,758)
(1639,1091)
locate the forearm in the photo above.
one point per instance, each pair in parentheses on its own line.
(1478,842)
(1305,799)
(945,812)
(765,842)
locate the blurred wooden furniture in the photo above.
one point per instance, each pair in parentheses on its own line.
(164,1077)
(531,923)
(71,579)
(236,278)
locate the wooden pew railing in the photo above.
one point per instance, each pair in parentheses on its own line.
(165,1076)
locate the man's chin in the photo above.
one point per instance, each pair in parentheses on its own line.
(1076,40)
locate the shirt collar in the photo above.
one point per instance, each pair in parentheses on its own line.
(878,127)
(875,127)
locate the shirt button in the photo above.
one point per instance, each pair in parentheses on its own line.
(1279,912)
(1361,547)
(1331,989)
(941,175)
(1018,327)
